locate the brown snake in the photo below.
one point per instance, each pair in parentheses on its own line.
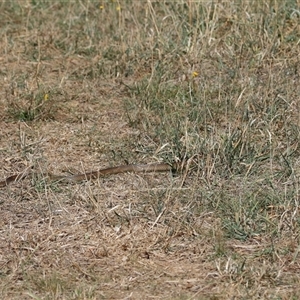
(155,167)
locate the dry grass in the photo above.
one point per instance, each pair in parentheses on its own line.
(92,84)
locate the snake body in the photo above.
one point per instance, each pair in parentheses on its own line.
(11,179)
(136,168)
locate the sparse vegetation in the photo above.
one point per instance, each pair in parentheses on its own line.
(89,84)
